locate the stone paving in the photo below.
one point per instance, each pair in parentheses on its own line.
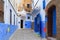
(25,34)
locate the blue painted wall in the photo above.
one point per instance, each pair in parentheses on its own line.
(6,31)
(43,29)
(28,24)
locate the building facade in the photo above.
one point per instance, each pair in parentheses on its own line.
(10,16)
(24,16)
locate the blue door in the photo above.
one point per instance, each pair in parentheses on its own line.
(37,24)
(54,21)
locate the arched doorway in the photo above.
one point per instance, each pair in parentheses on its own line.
(51,24)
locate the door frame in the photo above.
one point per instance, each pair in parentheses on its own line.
(52,10)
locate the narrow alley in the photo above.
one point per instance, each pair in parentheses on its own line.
(25,34)
(29,20)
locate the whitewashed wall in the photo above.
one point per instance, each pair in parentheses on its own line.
(7,7)
(19,21)
(6,12)
(42,11)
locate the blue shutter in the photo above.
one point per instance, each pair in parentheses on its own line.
(43,4)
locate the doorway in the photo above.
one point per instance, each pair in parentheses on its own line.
(21,23)
(37,24)
(51,24)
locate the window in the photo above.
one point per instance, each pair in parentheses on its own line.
(43,4)
(28,5)
(10,16)
(14,19)
(28,17)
